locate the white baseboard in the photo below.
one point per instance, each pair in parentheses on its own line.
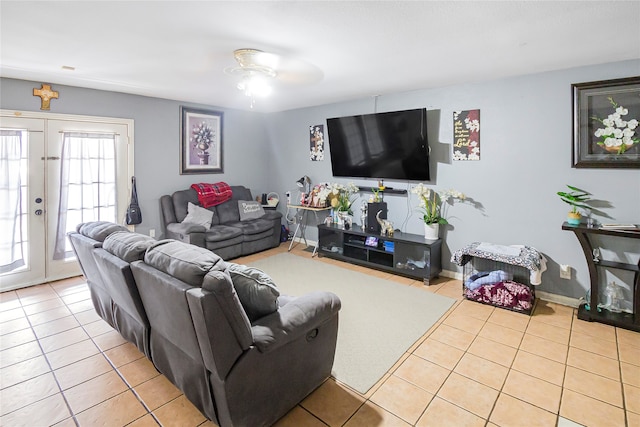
(558,299)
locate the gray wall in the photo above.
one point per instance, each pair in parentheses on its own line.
(157,140)
(525,159)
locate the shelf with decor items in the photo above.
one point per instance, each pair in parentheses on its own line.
(623,319)
(405,254)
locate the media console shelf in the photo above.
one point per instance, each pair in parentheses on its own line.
(622,320)
(405,254)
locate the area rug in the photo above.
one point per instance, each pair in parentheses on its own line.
(379,319)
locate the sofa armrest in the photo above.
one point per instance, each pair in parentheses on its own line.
(187,233)
(297,318)
(270,214)
(185,228)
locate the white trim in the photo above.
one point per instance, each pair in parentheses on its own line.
(558,299)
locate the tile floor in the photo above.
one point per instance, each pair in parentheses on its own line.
(61,365)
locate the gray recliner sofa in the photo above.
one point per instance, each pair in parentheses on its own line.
(243,354)
(228,236)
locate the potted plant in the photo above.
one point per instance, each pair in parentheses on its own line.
(431,207)
(577,199)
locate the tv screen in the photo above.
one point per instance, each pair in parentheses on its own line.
(389,145)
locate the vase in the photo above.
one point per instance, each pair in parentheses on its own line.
(573,218)
(431,231)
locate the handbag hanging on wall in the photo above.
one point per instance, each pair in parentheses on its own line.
(134,215)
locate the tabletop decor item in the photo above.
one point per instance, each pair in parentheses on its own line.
(605,124)
(577,199)
(432,206)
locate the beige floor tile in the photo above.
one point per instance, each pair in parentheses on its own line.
(451,290)
(452,336)
(630,374)
(14,314)
(81,306)
(55,326)
(464,323)
(548,332)
(97,328)
(39,307)
(72,353)
(633,420)
(595,329)
(8,296)
(629,354)
(157,391)
(483,371)
(123,354)
(146,421)
(632,398)
(117,411)
(298,417)
(594,363)
(501,334)
(551,314)
(14,325)
(16,338)
(23,371)
(593,344)
(179,413)
(628,337)
(439,353)
(468,394)
(592,385)
(545,348)
(493,351)
(539,367)
(474,309)
(94,391)
(70,285)
(533,390)
(69,422)
(63,339)
(49,315)
(442,413)
(10,305)
(512,412)
(138,371)
(86,317)
(588,411)
(19,353)
(76,297)
(48,411)
(423,373)
(402,399)
(81,371)
(509,319)
(370,414)
(109,340)
(27,392)
(332,403)
(35,294)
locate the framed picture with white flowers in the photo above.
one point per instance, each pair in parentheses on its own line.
(606,128)
(200,141)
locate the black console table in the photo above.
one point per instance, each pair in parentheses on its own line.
(406,254)
(622,320)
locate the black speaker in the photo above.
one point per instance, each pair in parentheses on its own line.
(372,210)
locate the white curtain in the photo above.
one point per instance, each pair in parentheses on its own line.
(12,228)
(87,184)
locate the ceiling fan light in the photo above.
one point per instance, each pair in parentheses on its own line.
(255,85)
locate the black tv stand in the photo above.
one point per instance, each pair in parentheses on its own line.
(406,254)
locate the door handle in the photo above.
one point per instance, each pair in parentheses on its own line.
(38,212)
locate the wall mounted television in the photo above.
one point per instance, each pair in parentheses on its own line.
(391,145)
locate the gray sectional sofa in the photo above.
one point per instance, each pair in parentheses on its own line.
(240,351)
(229,236)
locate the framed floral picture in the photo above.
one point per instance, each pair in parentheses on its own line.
(200,141)
(606,131)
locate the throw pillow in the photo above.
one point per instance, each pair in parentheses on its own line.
(257,292)
(127,246)
(198,215)
(249,210)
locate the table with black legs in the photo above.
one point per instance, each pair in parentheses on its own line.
(302,212)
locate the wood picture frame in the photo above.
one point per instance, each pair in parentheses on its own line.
(606,133)
(200,141)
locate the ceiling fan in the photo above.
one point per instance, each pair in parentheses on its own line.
(258,70)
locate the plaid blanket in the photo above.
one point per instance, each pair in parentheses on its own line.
(212,194)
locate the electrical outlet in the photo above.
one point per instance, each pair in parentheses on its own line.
(565,271)
(152,232)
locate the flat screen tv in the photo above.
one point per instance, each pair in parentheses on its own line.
(389,145)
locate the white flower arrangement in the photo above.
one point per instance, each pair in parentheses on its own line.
(617,136)
(431,202)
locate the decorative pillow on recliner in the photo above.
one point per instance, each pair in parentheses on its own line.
(127,246)
(99,230)
(198,215)
(250,210)
(257,292)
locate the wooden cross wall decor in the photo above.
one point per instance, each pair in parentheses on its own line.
(46,94)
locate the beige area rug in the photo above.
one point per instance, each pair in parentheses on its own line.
(379,319)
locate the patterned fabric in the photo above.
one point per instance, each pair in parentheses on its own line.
(507,294)
(528,258)
(212,194)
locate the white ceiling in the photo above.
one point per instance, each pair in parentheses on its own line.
(342,50)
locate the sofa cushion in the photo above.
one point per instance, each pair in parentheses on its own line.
(198,215)
(183,261)
(257,292)
(99,230)
(255,226)
(218,233)
(127,246)
(249,210)
(228,211)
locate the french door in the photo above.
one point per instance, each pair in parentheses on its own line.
(57,171)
